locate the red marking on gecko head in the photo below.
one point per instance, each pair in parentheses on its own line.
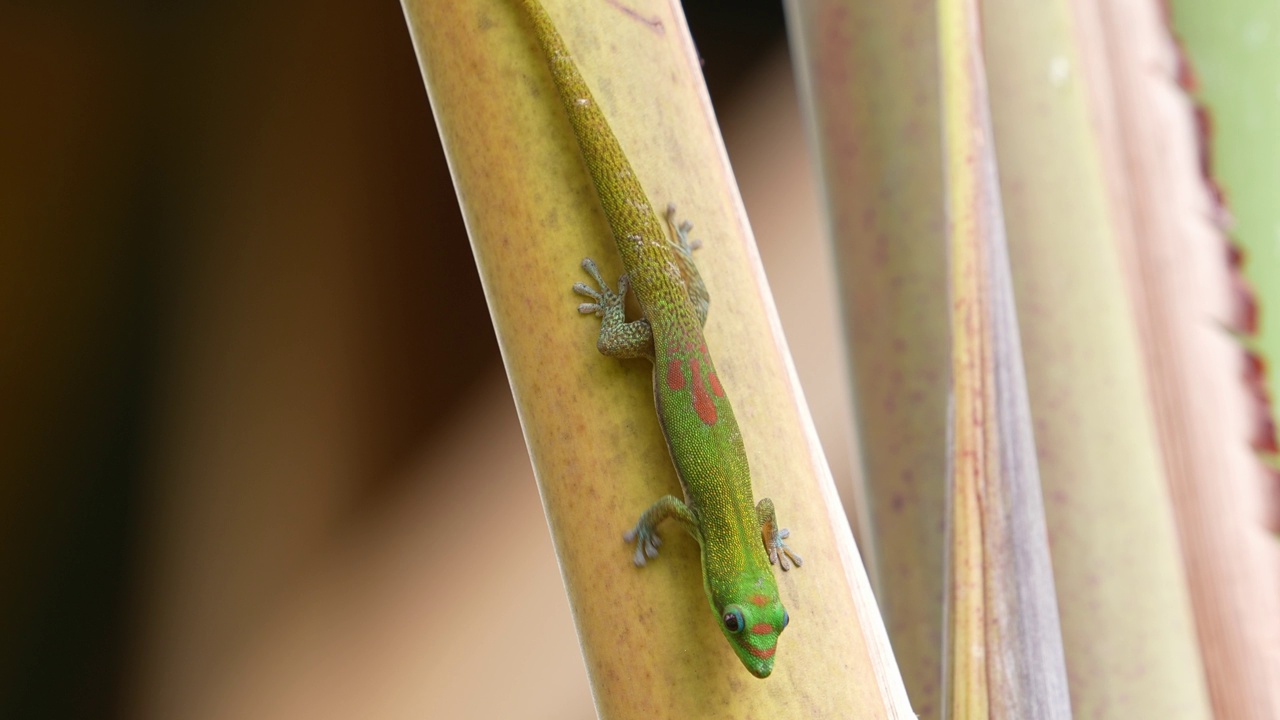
(763,654)
(762,628)
(675,375)
(702,402)
(759,600)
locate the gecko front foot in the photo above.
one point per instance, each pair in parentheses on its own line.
(645,533)
(773,536)
(605,299)
(780,554)
(647,542)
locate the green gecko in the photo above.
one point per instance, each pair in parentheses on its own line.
(739,539)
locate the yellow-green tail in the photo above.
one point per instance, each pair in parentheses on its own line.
(626,206)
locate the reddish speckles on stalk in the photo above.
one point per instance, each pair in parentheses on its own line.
(702,402)
(759,600)
(675,375)
(1264,435)
(1244,316)
(762,628)
(1264,426)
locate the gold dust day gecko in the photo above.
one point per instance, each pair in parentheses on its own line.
(739,539)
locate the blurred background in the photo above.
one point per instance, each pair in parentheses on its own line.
(258,456)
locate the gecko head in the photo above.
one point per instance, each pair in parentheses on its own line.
(751,619)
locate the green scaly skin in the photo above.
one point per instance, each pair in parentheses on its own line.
(739,539)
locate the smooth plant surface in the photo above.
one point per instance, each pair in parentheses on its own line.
(653,648)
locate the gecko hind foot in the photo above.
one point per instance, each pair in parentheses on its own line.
(682,230)
(605,299)
(647,542)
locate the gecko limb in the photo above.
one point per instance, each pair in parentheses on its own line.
(618,338)
(684,248)
(773,536)
(645,533)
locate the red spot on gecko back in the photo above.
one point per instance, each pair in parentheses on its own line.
(762,628)
(675,375)
(715,384)
(702,402)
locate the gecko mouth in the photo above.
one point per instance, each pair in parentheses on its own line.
(763,670)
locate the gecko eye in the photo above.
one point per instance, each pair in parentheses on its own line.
(785,619)
(733,621)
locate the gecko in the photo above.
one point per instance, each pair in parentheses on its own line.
(739,540)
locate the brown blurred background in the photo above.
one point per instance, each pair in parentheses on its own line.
(258,458)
